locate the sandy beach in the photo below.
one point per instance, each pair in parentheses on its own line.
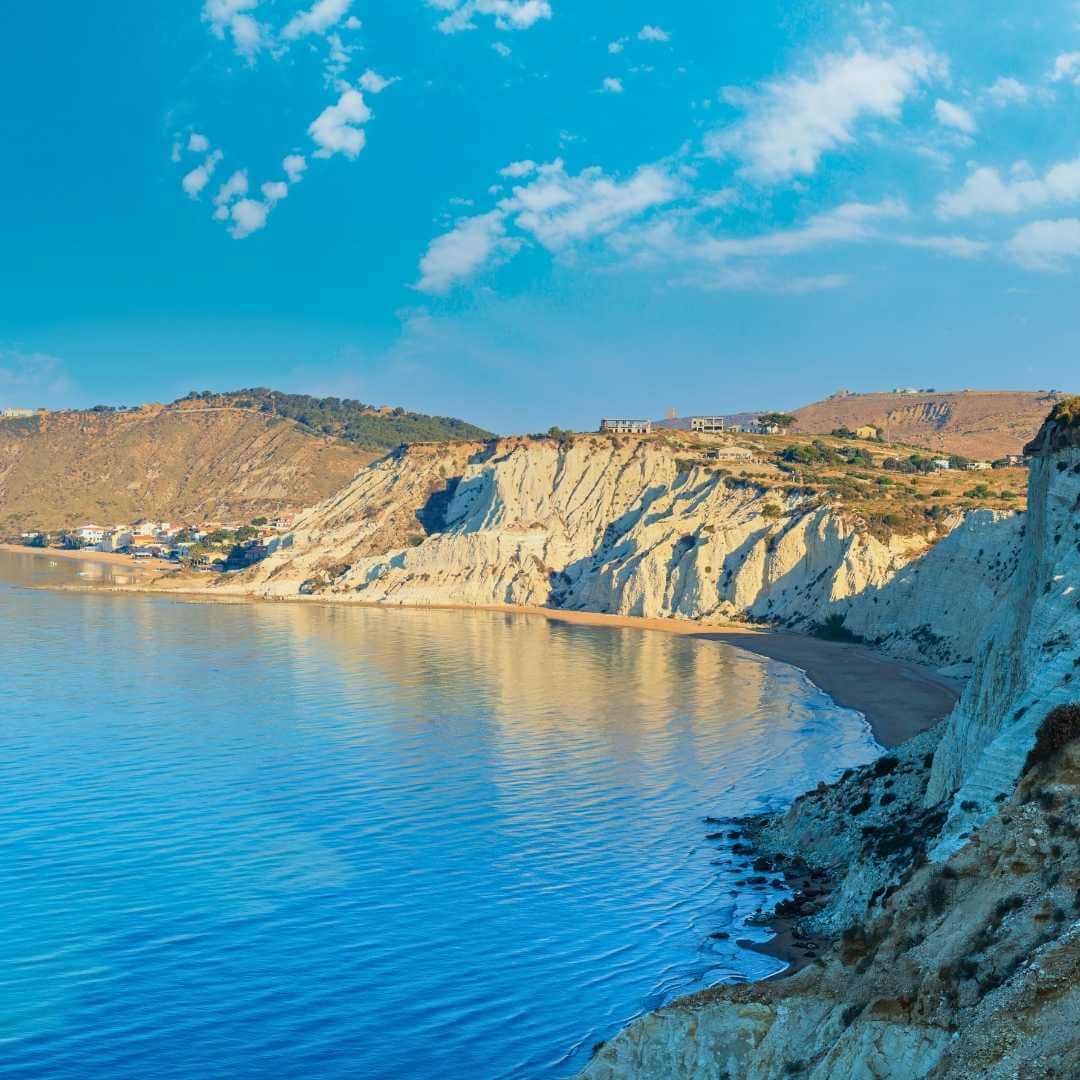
(143,566)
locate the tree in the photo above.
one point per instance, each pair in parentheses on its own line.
(777,419)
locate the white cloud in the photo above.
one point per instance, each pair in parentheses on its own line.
(954,116)
(274,191)
(985,191)
(233,188)
(194,182)
(1067,68)
(556,209)
(617,46)
(790,123)
(517,169)
(248,216)
(653,33)
(472,244)
(559,209)
(230,16)
(959,247)
(502,49)
(338,128)
(353,23)
(374,83)
(1008,91)
(176,149)
(198,144)
(848,223)
(612,86)
(295,165)
(321,17)
(508,14)
(1046,245)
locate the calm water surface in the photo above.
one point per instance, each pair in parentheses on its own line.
(304,841)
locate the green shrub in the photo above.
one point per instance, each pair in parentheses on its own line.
(1059,728)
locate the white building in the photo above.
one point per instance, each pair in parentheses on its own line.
(942,463)
(708,425)
(90,535)
(627,427)
(978,466)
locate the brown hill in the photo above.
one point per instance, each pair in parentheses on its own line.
(65,469)
(974,423)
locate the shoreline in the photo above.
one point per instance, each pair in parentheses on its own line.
(108,558)
(899,699)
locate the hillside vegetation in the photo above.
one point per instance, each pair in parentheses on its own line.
(364,425)
(975,423)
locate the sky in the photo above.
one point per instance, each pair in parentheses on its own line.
(538,212)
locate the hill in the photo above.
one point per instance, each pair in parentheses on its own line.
(224,457)
(69,468)
(364,425)
(973,423)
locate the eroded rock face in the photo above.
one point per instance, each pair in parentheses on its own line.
(1029,662)
(966,969)
(626,528)
(955,910)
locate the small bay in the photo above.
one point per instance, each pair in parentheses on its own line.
(298,840)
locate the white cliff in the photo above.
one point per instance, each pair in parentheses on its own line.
(626,527)
(967,963)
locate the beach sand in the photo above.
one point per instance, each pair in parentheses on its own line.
(143,566)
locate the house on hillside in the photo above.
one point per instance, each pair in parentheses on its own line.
(116,538)
(626,427)
(867,431)
(942,463)
(90,535)
(708,425)
(978,466)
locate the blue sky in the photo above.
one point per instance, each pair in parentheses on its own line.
(535,212)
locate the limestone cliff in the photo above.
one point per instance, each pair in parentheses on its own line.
(951,913)
(628,527)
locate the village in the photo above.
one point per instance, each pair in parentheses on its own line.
(207,547)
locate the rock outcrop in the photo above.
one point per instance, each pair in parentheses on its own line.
(628,527)
(954,902)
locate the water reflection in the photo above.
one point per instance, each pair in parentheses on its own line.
(299,840)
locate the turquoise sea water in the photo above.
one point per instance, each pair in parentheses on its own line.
(289,841)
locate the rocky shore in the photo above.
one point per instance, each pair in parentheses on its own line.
(938,913)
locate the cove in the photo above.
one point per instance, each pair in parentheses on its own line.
(299,840)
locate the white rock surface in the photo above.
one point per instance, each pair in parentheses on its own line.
(621,527)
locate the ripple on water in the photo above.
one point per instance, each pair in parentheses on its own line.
(301,840)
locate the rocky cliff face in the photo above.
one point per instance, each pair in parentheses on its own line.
(626,527)
(951,917)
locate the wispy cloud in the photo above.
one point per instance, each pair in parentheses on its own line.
(556,209)
(790,123)
(507,14)
(321,17)
(1047,245)
(986,191)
